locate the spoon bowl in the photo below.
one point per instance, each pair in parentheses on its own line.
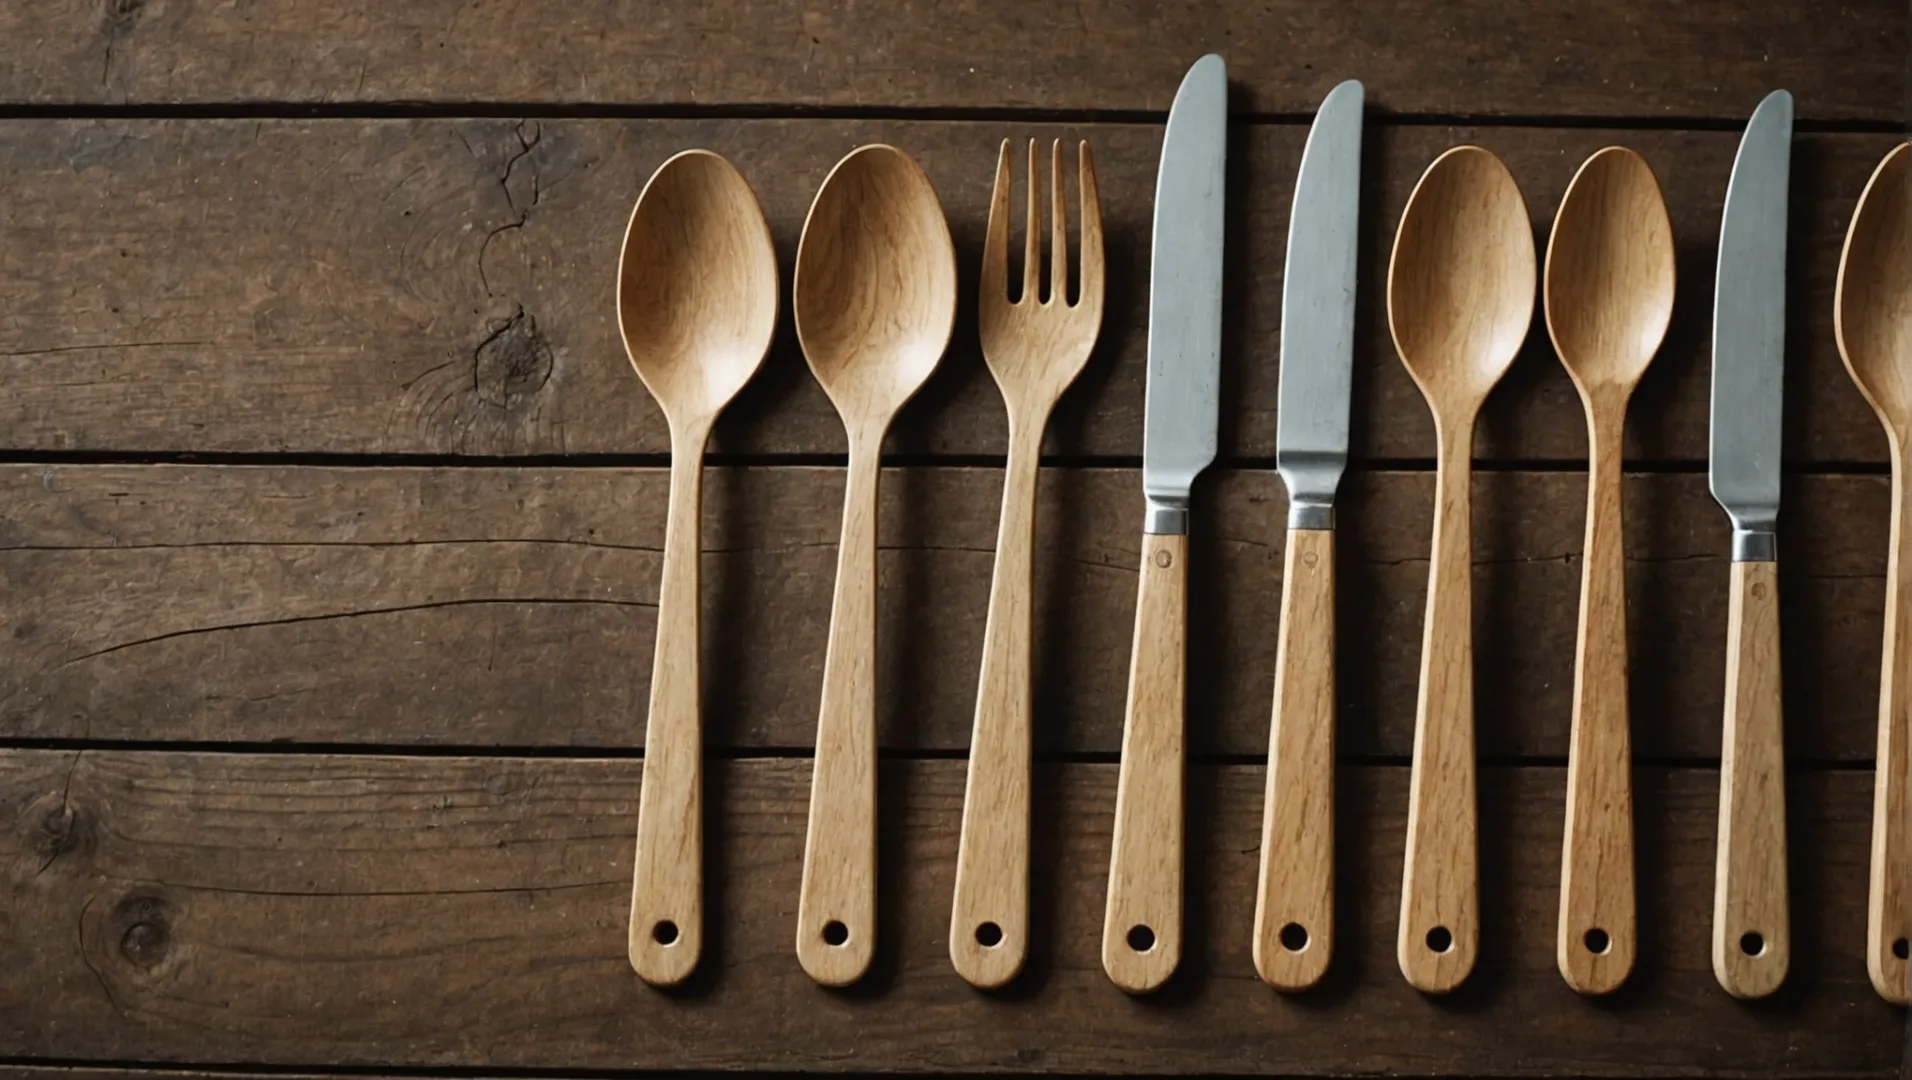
(1461,281)
(696,286)
(875,289)
(1872,313)
(1610,276)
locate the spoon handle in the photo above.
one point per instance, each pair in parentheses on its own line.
(1751,938)
(1440,922)
(989,919)
(1142,925)
(836,912)
(666,931)
(1890,896)
(1294,903)
(1596,942)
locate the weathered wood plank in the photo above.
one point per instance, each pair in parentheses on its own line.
(1476,57)
(445,287)
(287,909)
(513,607)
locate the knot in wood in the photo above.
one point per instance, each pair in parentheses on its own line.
(56,830)
(144,943)
(1163,558)
(148,934)
(512,363)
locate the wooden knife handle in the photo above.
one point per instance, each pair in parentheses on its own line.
(836,911)
(666,930)
(1752,943)
(1142,925)
(1889,900)
(1596,940)
(1440,920)
(1294,903)
(989,918)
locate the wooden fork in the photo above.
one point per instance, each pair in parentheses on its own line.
(1035,347)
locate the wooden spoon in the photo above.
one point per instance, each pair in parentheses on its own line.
(1460,300)
(1872,315)
(875,299)
(697,304)
(1609,289)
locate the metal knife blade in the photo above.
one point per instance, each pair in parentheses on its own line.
(1749,331)
(1182,403)
(1317,312)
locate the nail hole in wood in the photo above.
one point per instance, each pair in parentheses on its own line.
(835,933)
(1899,948)
(1440,939)
(1598,942)
(989,935)
(1294,937)
(1752,943)
(665,932)
(1141,938)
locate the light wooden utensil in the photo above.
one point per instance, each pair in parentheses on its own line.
(1460,300)
(1872,315)
(1035,348)
(875,300)
(697,304)
(1609,291)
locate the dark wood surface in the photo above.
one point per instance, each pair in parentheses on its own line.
(1633,58)
(330,517)
(470,912)
(444,287)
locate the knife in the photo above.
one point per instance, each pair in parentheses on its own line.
(1751,938)
(1294,903)
(1142,924)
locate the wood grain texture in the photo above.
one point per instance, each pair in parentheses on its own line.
(1294,892)
(1111,54)
(1752,939)
(1598,937)
(1889,902)
(441,286)
(836,915)
(283,909)
(513,607)
(1142,921)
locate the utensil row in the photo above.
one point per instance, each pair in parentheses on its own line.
(874,300)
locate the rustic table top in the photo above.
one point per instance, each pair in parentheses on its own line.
(331,514)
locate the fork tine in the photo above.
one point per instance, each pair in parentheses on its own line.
(996,240)
(1032,250)
(1058,230)
(1089,276)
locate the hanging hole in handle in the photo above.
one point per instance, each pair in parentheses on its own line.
(1752,943)
(1294,937)
(1899,948)
(989,935)
(1440,939)
(1598,942)
(835,934)
(665,932)
(1141,938)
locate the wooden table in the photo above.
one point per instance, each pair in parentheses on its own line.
(332,511)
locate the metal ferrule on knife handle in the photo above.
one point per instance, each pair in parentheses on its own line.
(1166,517)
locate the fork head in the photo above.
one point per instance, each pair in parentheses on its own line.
(1037,343)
